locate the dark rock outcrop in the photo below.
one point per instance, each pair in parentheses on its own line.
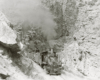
(3,76)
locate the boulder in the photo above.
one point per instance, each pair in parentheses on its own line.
(7,35)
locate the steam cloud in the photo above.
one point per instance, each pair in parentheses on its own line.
(29,13)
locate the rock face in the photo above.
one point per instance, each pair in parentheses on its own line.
(7,40)
(89,36)
(7,35)
(83,55)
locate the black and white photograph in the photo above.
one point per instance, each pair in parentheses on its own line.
(49,39)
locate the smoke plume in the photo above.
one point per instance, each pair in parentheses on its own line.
(29,13)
